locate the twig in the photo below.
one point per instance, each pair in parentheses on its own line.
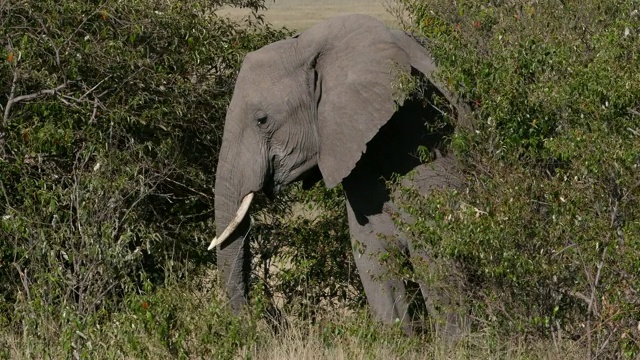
(93,88)
(17,99)
(39,93)
(23,279)
(595,284)
(563,250)
(61,98)
(5,119)
(6,198)
(10,101)
(78,166)
(577,295)
(188,188)
(95,110)
(591,311)
(606,342)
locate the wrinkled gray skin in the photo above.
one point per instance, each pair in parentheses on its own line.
(321,104)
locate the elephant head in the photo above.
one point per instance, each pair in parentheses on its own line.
(308,103)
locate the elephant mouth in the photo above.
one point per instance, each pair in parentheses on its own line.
(270,189)
(270,185)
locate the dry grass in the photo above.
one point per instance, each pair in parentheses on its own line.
(340,335)
(301,14)
(308,342)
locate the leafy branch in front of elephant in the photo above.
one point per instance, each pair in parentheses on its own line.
(403,85)
(406,86)
(303,253)
(552,167)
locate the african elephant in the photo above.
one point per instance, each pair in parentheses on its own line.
(322,104)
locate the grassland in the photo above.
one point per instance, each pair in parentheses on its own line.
(301,14)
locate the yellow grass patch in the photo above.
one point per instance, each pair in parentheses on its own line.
(301,14)
(303,341)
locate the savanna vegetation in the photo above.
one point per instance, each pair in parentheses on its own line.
(110,122)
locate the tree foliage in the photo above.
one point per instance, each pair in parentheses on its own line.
(547,231)
(111,120)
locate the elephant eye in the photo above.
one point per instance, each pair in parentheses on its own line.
(262,120)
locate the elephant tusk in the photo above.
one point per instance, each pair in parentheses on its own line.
(242,211)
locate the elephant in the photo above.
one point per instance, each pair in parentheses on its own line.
(321,105)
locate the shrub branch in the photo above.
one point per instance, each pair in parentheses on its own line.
(13,100)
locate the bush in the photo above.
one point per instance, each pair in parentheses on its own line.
(547,230)
(112,117)
(303,253)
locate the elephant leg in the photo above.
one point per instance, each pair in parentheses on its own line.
(372,236)
(441,285)
(442,291)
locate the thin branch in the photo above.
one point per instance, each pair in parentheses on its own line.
(577,295)
(187,187)
(39,93)
(13,100)
(93,88)
(6,198)
(563,250)
(606,342)
(62,99)
(78,166)
(58,63)
(592,306)
(24,280)
(95,110)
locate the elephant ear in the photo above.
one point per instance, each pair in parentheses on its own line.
(358,68)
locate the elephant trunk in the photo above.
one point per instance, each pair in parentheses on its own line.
(232,226)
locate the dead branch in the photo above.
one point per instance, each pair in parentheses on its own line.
(592,306)
(6,198)
(5,119)
(24,280)
(11,94)
(577,295)
(95,110)
(187,187)
(592,309)
(93,88)
(14,100)
(606,342)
